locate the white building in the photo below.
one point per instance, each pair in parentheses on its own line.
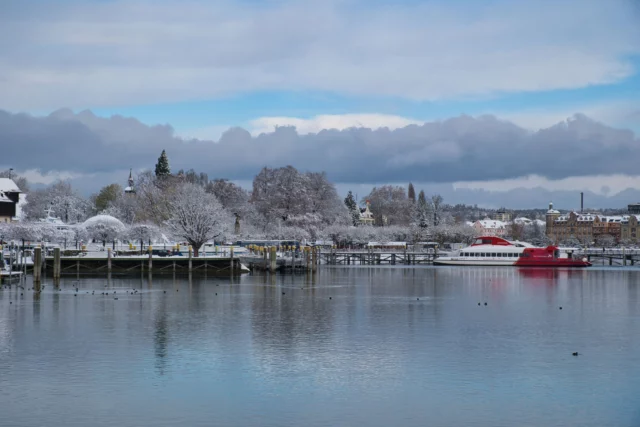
(366,216)
(490,227)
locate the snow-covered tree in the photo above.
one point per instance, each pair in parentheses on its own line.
(436,203)
(79,234)
(352,207)
(63,200)
(143,233)
(232,197)
(422,211)
(411,193)
(284,196)
(162,167)
(605,240)
(153,196)
(24,231)
(288,232)
(196,216)
(390,203)
(104,228)
(107,196)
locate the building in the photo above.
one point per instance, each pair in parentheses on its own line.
(366,216)
(9,198)
(130,189)
(502,215)
(588,228)
(490,227)
(634,208)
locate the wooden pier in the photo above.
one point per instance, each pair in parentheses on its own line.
(57,265)
(350,257)
(612,256)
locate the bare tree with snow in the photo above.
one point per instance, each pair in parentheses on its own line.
(143,233)
(195,215)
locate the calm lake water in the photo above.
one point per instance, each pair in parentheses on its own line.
(352,347)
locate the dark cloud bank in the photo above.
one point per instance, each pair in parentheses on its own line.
(458,149)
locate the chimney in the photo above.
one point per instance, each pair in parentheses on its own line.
(581,202)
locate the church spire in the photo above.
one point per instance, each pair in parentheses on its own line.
(130,189)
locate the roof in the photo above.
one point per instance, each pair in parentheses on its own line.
(491,224)
(4,198)
(8,186)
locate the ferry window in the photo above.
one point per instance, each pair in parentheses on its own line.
(478,242)
(493,255)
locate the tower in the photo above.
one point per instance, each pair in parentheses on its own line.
(551,216)
(130,189)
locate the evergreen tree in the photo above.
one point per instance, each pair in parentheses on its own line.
(422,211)
(411,193)
(354,212)
(162,167)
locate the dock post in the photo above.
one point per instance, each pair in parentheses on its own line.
(393,259)
(150,258)
(273,262)
(190,259)
(611,260)
(56,264)
(231,254)
(624,257)
(37,264)
(314,258)
(109,260)
(307,256)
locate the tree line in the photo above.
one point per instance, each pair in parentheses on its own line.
(283,203)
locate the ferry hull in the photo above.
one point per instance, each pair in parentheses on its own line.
(563,263)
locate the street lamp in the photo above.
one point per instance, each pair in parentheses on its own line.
(10,172)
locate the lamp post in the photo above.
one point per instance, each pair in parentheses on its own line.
(10,173)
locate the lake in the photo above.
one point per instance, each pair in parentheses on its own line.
(358,346)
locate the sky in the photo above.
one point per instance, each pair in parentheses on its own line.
(498,103)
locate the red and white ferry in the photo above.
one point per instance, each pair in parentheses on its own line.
(496,251)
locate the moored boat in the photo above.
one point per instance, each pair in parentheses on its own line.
(495,251)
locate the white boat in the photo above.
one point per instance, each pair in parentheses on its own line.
(495,251)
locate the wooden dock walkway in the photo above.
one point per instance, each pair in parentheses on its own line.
(349,257)
(611,256)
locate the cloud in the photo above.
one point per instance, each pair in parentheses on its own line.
(459,149)
(142,51)
(600,185)
(330,121)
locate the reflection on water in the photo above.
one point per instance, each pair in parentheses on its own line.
(374,346)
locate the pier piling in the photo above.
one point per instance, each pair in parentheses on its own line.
(37,264)
(272,266)
(56,264)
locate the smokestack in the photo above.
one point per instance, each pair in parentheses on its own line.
(581,202)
